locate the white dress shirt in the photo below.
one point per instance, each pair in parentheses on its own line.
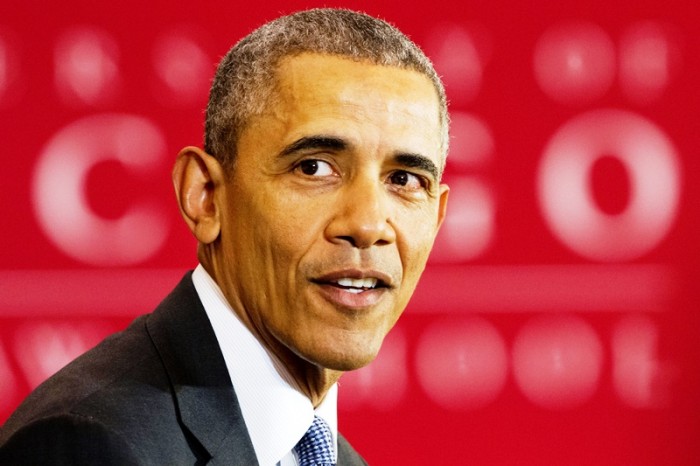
(276,412)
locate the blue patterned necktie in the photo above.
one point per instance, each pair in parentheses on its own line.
(316,446)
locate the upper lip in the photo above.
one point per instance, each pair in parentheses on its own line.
(383,280)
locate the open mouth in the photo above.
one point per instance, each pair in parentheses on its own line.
(354,285)
(353,289)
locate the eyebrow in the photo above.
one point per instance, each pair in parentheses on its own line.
(334,143)
(418,161)
(314,143)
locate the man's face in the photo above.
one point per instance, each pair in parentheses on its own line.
(332,208)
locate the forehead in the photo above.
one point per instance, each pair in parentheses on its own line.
(324,93)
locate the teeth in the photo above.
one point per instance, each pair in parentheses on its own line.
(357,283)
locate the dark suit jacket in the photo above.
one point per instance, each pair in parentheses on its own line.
(157,393)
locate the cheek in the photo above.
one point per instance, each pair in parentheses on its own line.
(416,236)
(283,230)
(414,246)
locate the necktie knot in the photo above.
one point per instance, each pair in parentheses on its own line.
(316,446)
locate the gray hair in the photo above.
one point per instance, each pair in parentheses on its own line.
(246,77)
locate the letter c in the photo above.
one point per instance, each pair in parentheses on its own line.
(59,198)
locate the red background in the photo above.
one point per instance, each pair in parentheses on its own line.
(518,348)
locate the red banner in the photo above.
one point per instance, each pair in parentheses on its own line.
(557,322)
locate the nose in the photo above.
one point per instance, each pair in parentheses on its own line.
(363,216)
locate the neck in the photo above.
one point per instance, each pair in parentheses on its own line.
(311,379)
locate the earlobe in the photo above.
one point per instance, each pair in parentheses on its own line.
(197,178)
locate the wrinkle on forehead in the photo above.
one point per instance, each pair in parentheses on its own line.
(313,87)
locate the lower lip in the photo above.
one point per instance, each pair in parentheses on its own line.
(343,298)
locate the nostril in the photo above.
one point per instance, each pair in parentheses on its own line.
(349,239)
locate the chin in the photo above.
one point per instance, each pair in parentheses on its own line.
(346,358)
(347,365)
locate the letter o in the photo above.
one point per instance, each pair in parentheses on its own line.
(568,205)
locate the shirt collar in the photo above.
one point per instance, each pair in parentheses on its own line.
(275,411)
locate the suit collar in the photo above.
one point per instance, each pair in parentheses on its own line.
(199,379)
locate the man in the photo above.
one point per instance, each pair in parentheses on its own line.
(315,204)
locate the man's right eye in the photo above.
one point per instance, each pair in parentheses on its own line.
(314,167)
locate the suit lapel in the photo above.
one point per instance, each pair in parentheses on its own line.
(201,385)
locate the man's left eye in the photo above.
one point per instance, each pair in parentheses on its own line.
(406,179)
(313,167)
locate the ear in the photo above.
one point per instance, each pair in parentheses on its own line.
(197,177)
(442,204)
